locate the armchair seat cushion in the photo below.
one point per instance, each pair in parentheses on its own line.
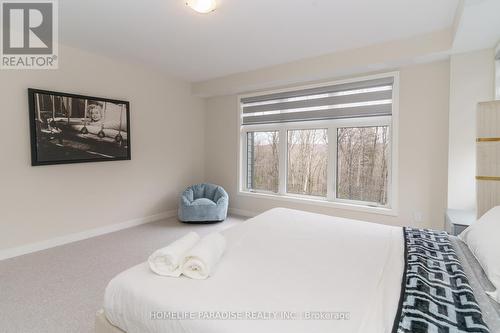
(203,203)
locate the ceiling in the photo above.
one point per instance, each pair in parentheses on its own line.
(241,35)
(479,26)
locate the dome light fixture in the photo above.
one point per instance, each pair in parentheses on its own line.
(202,6)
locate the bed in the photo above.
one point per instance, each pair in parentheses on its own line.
(287,271)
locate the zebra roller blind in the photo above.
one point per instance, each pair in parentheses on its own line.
(367,98)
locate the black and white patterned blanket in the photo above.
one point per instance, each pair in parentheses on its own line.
(435,296)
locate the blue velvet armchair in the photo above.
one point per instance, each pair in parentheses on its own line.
(203,203)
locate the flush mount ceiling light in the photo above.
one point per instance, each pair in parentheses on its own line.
(202,6)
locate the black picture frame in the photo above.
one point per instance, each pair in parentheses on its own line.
(75,128)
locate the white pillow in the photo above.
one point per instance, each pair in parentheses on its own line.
(483,240)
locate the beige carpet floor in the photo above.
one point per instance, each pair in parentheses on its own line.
(59,290)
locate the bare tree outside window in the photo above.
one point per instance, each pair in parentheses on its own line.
(262,162)
(307,162)
(362,164)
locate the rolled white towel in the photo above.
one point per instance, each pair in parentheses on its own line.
(201,260)
(168,260)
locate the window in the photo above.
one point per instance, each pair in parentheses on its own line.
(307,162)
(362,164)
(330,144)
(262,161)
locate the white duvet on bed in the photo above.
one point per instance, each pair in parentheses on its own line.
(283,261)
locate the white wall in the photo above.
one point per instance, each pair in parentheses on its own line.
(423,150)
(471,81)
(40,203)
(378,57)
(497,72)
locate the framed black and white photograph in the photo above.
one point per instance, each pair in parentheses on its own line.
(68,128)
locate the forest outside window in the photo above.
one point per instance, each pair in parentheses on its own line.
(363,164)
(262,161)
(332,143)
(307,162)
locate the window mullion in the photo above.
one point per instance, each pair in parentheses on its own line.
(283,155)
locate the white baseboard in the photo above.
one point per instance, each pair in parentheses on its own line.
(242,212)
(34,247)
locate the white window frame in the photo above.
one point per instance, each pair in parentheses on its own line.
(331,125)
